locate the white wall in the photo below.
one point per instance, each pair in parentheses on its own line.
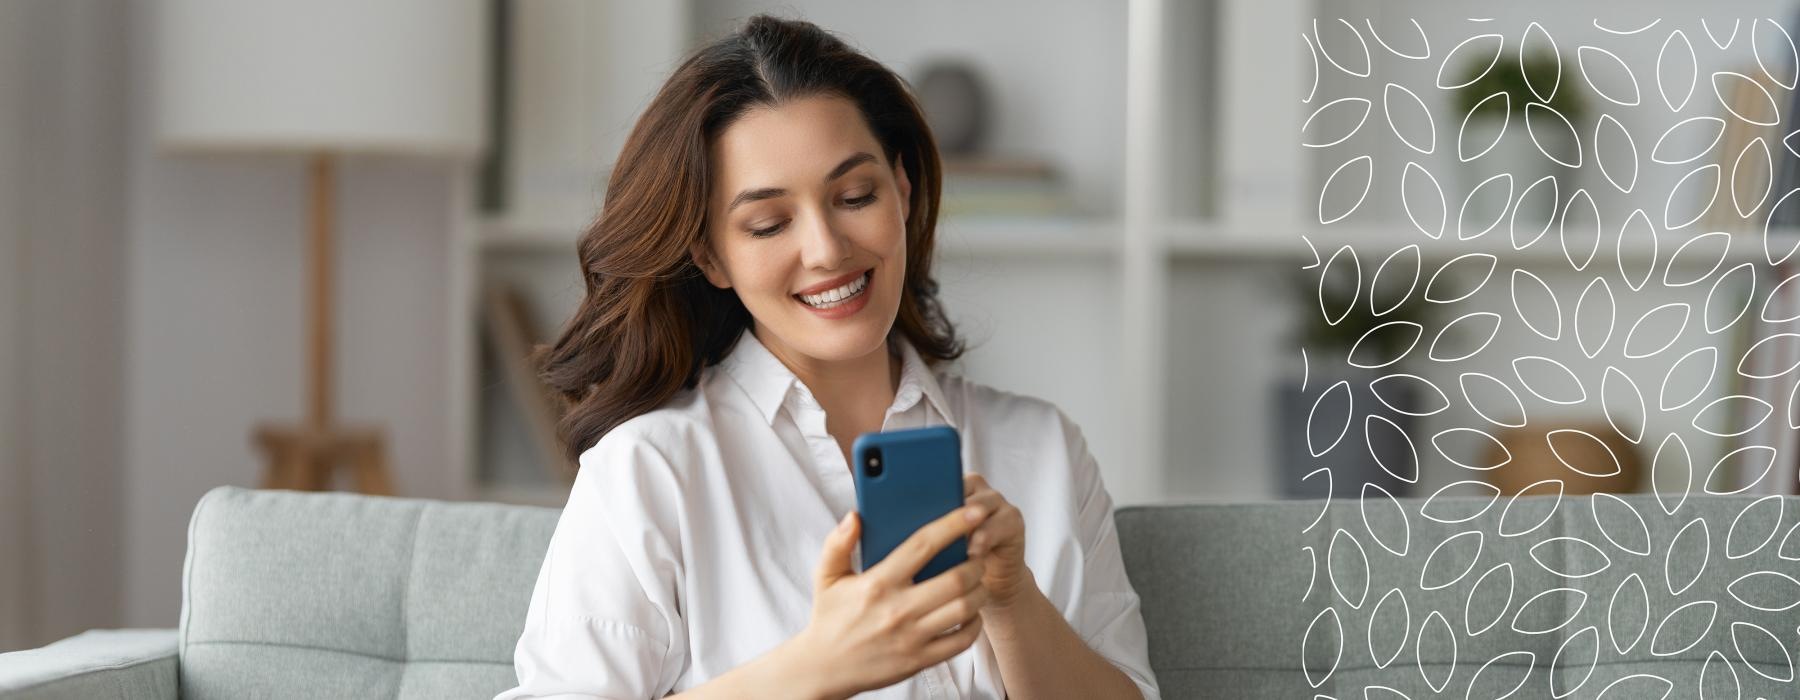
(63,297)
(15,626)
(214,326)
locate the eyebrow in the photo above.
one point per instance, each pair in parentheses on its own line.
(758,195)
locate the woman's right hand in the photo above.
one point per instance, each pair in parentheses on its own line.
(877,628)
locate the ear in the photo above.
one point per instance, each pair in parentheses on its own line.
(905,186)
(701,252)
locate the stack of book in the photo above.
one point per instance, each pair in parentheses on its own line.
(1001,187)
(512,335)
(1743,181)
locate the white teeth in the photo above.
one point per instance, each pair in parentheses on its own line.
(831,297)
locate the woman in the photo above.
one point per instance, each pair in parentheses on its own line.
(759,293)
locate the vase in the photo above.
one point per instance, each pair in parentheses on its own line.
(1515,153)
(1353,459)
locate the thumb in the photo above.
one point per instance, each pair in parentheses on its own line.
(835,556)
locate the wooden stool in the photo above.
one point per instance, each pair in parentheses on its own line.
(306,459)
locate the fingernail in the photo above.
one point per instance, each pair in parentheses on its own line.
(972,513)
(844,523)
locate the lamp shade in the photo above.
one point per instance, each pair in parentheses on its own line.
(346,76)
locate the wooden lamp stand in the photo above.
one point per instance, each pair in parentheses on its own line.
(306,457)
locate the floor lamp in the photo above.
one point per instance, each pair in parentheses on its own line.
(321,79)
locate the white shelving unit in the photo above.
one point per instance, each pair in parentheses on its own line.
(1067,308)
(1154,320)
(1212,241)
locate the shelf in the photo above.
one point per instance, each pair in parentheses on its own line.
(958,237)
(1028,237)
(1197,240)
(1223,242)
(515,235)
(546,495)
(1206,240)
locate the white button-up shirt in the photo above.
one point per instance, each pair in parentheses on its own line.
(689,540)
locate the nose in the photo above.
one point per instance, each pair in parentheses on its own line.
(823,248)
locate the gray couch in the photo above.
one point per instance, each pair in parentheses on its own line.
(334,595)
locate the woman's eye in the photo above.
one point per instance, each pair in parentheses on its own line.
(851,202)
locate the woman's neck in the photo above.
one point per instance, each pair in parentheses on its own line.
(855,393)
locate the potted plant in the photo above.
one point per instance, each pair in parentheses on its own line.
(1501,121)
(1353,461)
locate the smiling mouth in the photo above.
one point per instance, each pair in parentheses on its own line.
(840,296)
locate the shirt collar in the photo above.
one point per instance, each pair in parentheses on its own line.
(768,382)
(917,380)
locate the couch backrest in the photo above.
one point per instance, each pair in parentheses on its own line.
(341,595)
(1463,598)
(289,594)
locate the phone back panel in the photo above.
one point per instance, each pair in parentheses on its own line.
(920,481)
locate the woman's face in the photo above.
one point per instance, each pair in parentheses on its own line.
(807,223)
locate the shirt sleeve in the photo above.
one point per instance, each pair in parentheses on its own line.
(1106,614)
(604,621)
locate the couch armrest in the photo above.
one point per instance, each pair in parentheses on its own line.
(136,663)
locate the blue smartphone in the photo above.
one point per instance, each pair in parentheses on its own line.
(904,480)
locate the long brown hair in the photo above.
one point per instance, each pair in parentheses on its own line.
(650,322)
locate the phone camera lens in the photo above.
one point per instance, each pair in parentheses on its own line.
(872,463)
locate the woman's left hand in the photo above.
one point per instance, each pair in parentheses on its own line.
(1000,540)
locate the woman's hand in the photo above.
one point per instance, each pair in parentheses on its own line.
(998,542)
(877,628)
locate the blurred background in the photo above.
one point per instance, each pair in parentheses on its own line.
(226,251)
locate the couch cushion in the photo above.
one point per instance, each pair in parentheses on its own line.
(118,663)
(290,594)
(1345,598)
